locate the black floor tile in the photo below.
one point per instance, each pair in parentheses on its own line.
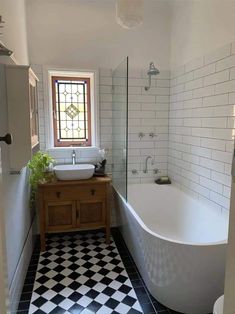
(76,309)
(158,306)
(29,280)
(26,296)
(127,262)
(142,295)
(132,311)
(137,283)
(148,308)
(24,306)
(131,269)
(134,276)
(27,288)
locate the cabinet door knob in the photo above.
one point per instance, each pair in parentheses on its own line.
(92,192)
(58,194)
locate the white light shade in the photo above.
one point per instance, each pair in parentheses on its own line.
(129,13)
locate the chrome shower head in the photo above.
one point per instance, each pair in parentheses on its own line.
(152,71)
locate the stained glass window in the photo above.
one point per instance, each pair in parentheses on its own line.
(71,111)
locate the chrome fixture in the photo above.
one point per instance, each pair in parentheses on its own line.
(152,134)
(146,164)
(141,135)
(152,71)
(156,171)
(129,13)
(134,171)
(73,157)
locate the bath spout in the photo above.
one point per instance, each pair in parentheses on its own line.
(146,164)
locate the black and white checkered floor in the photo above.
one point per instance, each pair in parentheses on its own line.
(80,274)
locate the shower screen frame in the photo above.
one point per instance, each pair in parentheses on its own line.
(120,127)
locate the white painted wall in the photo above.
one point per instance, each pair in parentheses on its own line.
(199,27)
(14,32)
(84,33)
(18,216)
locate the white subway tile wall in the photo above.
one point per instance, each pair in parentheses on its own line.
(148,115)
(190,114)
(105,106)
(201,126)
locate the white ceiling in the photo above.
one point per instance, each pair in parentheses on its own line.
(84,33)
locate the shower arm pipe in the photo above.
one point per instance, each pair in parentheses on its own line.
(152,71)
(149,84)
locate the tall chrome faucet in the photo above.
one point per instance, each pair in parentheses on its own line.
(146,164)
(73,157)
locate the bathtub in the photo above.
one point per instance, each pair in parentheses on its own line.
(178,244)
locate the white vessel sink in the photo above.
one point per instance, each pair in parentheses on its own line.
(74,172)
(219,304)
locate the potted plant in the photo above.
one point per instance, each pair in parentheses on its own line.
(40,172)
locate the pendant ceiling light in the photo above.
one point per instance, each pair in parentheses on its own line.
(129,13)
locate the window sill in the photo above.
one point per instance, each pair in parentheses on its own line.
(71,148)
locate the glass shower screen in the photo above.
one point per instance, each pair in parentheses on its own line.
(120,127)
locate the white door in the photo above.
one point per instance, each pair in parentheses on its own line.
(3,168)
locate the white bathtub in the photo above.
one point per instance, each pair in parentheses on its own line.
(177,243)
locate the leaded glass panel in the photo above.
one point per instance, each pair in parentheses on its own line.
(71,104)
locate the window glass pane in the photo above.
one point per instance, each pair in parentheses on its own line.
(71,110)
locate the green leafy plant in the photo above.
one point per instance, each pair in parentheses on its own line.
(38,166)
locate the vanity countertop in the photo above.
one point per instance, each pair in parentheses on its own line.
(93,180)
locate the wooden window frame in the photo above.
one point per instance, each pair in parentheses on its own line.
(71,143)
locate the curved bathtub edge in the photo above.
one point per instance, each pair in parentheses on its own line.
(140,221)
(174,272)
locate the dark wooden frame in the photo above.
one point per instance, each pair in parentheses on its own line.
(71,143)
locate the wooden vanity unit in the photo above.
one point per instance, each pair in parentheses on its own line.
(74,205)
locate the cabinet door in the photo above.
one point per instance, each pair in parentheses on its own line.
(91,213)
(60,215)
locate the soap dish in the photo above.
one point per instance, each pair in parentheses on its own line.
(163,180)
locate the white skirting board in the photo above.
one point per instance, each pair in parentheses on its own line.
(22,267)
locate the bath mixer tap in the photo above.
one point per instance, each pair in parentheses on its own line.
(146,164)
(73,157)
